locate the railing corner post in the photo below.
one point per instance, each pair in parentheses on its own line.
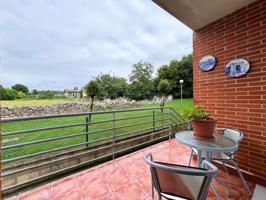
(113,135)
(170,125)
(87,131)
(153,119)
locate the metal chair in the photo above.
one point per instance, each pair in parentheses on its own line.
(178,181)
(224,158)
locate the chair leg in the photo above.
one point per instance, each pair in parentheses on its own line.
(241,176)
(215,192)
(226,187)
(191,155)
(152,189)
(225,168)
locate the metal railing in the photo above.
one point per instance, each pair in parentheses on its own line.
(26,140)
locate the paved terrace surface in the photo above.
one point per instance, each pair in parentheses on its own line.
(125,178)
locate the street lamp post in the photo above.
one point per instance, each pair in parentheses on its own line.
(181,92)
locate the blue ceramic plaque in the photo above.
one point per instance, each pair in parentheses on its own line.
(207,63)
(237,68)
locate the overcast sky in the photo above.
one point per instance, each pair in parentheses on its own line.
(58,44)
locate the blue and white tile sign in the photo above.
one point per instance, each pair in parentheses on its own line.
(207,63)
(237,67)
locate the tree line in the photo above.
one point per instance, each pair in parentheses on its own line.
(142,85)
(139,85)
(20,91)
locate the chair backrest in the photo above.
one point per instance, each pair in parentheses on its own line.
(181,181)
(234,134)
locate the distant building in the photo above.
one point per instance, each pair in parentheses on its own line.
(59,94)
(73,93)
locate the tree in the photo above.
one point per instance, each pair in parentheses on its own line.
(34,91)
(7,94)
(20,88)
(175,71)
(141,80)
(186,72)
(164,87)
(136,90)
(111,86)
(142,71)
(1,92)
(92,90)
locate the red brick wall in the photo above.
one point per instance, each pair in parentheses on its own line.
(236,102)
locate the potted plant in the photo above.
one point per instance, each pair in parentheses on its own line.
(202,124)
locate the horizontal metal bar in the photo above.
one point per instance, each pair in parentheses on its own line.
(155,132)
(72,156)
(41,129)
(53,161)
(177,114)
(71,146)
(136,124)
(156,139)
(73,125)
(77,114)
(150,128)
(41,141)
(76,166)
(56,172)
(44,152)
(69,136)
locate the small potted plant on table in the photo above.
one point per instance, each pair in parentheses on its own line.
(202,124)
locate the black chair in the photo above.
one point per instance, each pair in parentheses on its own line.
(178,181)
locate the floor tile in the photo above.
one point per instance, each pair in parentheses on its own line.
(64,187)
(40,193)
(130,191)
(127,178)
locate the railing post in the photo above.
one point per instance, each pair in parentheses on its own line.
(169,124)
(114,130)
(153,119)
(162,110)
(87,131)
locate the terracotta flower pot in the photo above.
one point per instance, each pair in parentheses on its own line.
(204,128)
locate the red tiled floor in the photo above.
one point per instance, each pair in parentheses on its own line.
(125,178)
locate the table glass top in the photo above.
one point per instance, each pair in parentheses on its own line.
(218,143)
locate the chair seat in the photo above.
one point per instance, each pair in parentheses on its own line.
(171,197)
(215,155)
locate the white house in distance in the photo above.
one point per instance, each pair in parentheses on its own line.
(73,93)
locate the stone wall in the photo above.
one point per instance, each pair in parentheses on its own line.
(62,108)
(75,107)
(9,112)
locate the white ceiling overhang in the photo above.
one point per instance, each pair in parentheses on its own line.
(198,13)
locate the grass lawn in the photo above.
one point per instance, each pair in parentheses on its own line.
(41,123)
(34,102)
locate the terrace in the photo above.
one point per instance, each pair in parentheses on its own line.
(225,29)
(127,177)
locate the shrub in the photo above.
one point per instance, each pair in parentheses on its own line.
(46,95)
(20,88)
(164,86)
(7,94)
(20,95)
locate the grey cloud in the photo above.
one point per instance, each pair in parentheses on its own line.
(55,44)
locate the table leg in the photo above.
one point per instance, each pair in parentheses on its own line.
(208,156)
(199,158)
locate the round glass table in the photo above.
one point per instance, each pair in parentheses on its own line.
(218,143)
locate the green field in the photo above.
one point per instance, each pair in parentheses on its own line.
(35,102)
(42,123)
